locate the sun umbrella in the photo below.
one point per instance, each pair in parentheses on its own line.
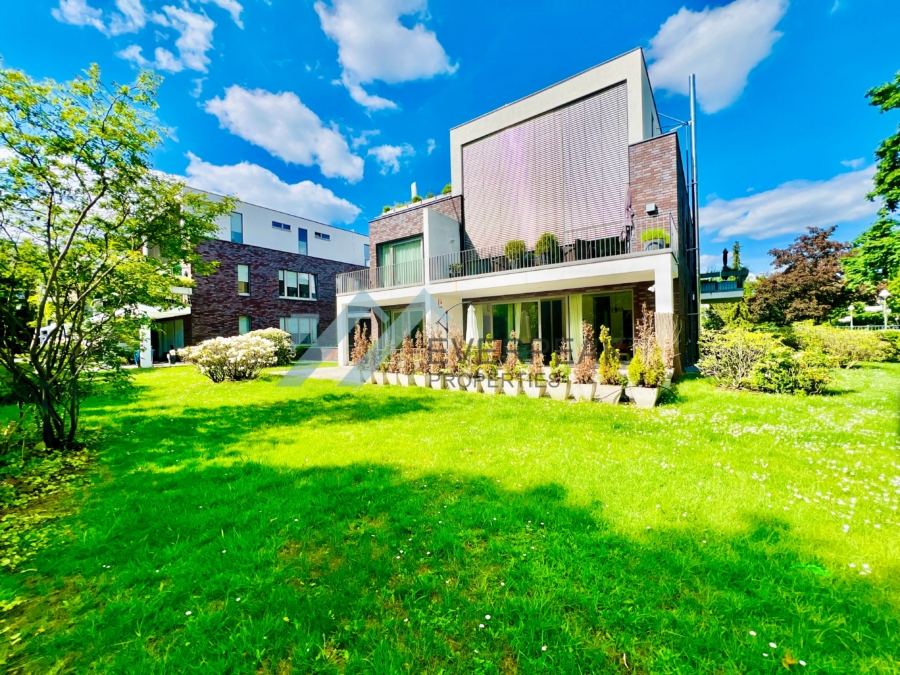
(472,336)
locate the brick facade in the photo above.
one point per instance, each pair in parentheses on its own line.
(411,220)
(216,305)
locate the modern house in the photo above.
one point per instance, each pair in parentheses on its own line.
(275,270)
(568,205)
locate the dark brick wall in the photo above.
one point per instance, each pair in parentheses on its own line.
(410,221)
(216,305)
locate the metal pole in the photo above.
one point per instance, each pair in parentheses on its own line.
(694,198)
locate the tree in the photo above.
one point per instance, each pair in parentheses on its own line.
(736,256)
(809,283)
(887,173)
(80,206)
(875,256)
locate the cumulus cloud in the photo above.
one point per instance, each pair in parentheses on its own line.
(363,138)
(431,145)
(854,163)
(233,7)
(78,13)
(389,156)
(374,45)
(283,125)
(721,45)
(254,184)
(792,207)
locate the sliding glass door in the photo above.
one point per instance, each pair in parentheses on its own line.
(400,263)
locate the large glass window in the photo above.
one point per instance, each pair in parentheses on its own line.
(401,262)
(366,255)
(302,247)
(296,285)
(243,274)
(237,228)
(528,329)
(304,330)
(613,310)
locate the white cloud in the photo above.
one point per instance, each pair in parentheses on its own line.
(374,45)
(792,207)
(431,145)
(78,13)
(285,127)
(257,185)
(389,156)
(710,263)
(720,45)
(198,87)
(854,163)
(233,7)
(130,19)
(363,138)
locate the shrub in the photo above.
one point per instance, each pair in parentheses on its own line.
(407,359)
(784,371)
(429,194)
(547,244)
(420,360)
(610,361)
(437,355)
(654,370)
(234,358)
(892,337)
(559,370)
(385,209)
(360,354)
(536,368)
(515,248)
(448,188)
(729,356)
(636,369)
(511,367)
(455,350)
(284,349)
(655,233)
(416,199)
(584,370)
(844,348)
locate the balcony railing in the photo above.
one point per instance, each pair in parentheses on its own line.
(720,286)
(649,234)
(388,276)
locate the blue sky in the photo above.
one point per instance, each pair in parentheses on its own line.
(331,109)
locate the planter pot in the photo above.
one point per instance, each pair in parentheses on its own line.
(584,392)
(472,384)
(452,382)
(609,393)
(380,377)
(407,380)
(535,389)
(512,387)
(435,380)
(365,376)
(559,391)
(643,397)
(393,378)
(421,380)
(492,385)
(654,245)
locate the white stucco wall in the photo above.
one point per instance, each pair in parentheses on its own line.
(441,236)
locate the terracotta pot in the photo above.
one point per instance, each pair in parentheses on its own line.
(421,380)
(535,389)
(584,392)
(609,393)
(512,387)
(380,377)
(559,391)
(643,397)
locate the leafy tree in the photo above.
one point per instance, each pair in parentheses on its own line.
(736,256)
(875,256)
(809,283)
(887,174)
(80,207)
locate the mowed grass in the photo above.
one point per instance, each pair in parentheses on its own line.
(263,528)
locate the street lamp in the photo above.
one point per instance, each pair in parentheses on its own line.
(884,295)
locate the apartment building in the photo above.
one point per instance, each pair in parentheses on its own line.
(568,205)
(275,270)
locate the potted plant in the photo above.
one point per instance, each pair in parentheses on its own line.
(380,374)
(456,270)
(454,356)
(437,359)
(609,390)
(393,368)
(515,251)
(559,386)
(654,239)
(584,385)
(420,362)
(470,378)
(491,383)
(547,249)
(360,354)
(645,377)
(512,375)
(536,384)
(407,362)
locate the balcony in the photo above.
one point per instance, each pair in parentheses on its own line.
(374,278)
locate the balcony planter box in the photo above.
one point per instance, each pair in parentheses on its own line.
(452,382)
(407,380)
(584,392)
(559,391)
(654,245)
(499,264)
(471,384)
(512,387)
(421,380)
(643,397)
(455,270)
(435,380)
(535,388)
(380,377)
(609,393)
(492,385)
(393,378)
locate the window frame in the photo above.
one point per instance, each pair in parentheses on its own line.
(241,321)
(311,322)
(302,238)
(324,236)
(239,281)
(311,284)
(284,227)
(240,232)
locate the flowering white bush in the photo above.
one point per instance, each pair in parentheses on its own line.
(284,349)
(234,358)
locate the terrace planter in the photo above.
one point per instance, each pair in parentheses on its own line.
(435,380)
(452,382)
(654,245)
(584,392)
(535,388)
(380,377)
(471,384)
(421,380)
(492,385)
(609,393)
(512,387)
(559,391)
(365,376)
(643,397)
(393,378)
(407,380)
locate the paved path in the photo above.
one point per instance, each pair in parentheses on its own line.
(336,373)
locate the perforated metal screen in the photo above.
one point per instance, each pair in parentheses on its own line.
(564,170)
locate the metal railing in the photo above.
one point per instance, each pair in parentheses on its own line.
(720,286)
(643,235)
(387,276)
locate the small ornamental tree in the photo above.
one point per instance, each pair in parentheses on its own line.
(420,360)
(361,346)
(511,367)
(536,368)
(586,366)
(437,353)
(455,349)
(610,361)
(407,356)
(89,232)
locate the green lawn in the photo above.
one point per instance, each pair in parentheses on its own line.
(257,528)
